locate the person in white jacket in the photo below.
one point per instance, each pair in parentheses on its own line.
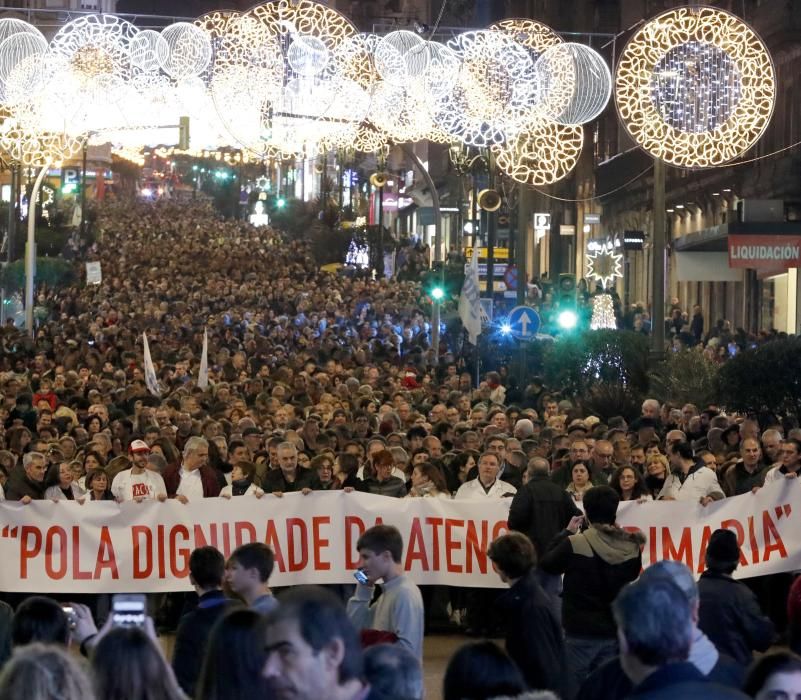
(487,485)
(66,489)
(689,480)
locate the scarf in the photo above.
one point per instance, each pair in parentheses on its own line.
(240,487)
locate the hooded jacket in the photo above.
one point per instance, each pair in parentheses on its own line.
(596,564)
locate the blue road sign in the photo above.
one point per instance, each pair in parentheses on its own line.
(524,322)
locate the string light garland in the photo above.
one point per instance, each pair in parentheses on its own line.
(695,87)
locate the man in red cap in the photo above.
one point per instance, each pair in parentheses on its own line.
(138,483)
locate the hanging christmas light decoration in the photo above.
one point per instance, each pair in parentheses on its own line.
(149,51)
(603,312)
(575,81)
(494,89)
(22,47)
(541,154)
(604,264)
(189,50)
(400,56)
(695,87)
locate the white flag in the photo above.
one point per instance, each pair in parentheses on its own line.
(203,372)
(470,310)
(151,380)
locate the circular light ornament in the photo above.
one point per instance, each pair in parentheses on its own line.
(16,50)
(190,50)
(493,92)
(401,55)
(543,153)
(575,81)
(695,87)
(149,50)
(95,55)
(307,55)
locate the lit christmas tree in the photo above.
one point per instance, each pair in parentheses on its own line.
(603,313)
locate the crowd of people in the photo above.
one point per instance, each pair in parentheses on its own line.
(321,382)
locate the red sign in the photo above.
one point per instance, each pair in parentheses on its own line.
(764,252)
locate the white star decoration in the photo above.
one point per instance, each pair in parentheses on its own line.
(604,264)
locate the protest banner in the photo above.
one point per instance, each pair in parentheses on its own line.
(144,547)
(104,547)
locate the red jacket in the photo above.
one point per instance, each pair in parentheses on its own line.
(208,477)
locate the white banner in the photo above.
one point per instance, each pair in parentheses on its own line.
(767,526)
(103,547)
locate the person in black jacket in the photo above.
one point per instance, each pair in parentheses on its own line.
(609,682)
(533,633)
(729,613)
(30,479)
(541,510)
(596,564)
(206,571)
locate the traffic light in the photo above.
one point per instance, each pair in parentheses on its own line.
(280,203)
(183,133)
(566,299)
(433,285)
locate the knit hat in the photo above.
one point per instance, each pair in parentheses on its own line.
(722,550)
(138,446)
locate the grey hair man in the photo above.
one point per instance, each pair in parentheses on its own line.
(29,481)
(609,682)
(655,632)
(194,479)
(289,476)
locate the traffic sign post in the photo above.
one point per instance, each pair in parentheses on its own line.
(524,322)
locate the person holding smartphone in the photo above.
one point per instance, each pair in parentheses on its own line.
(398,610)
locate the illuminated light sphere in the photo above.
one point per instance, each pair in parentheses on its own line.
(494,90)
(604,264)
(544,153)
(581,80)
(442,70)
(10,26)
(275,81)
(400,55)
(18,48)
(189,50)
(695,87)
(149,50)
(96,54)
(307,55)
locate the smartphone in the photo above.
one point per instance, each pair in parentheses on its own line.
(361,577)
(128,610)
(69,611)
